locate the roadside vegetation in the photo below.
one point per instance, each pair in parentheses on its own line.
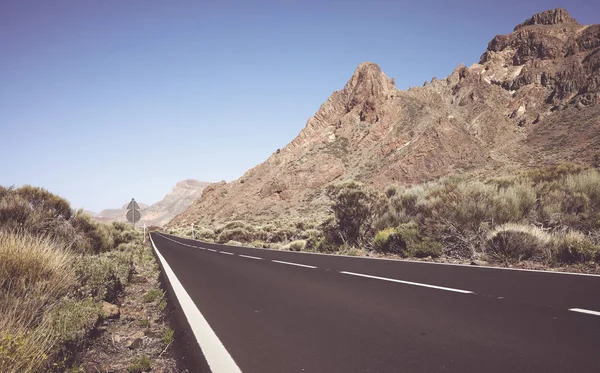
(547,217)
(61,274)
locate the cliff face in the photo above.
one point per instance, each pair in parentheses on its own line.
(533,99)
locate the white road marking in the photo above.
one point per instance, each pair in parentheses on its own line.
(582,310)
(408,282)
(293,264)
(425,263)
(250,257)
(217,357)
(213,250)
(226,252)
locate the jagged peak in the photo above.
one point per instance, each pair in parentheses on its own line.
(368,75)
(549,17)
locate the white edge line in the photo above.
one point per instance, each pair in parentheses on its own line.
(293,264)
(582,310)
(408,282)
(219,360)
(213,250)
(226,252)
(250,257)
(414,261)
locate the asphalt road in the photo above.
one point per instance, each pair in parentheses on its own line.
(277,311)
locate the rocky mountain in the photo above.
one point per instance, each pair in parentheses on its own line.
(160,213)
(533,99)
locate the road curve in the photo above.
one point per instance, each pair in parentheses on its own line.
(276,311)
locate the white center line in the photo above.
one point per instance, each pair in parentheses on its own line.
(226,252)
(589,312)
(407,282)
(213,250)
(250,257)
(293,264)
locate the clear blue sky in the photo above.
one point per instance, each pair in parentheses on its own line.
(104,100)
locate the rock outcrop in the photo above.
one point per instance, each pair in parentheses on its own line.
(533,99)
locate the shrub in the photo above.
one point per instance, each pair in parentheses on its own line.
(235,234)
(168,336)
(98,237)
(425,248)
(296,245)
(42,201)
(513,242)
(140,365)
(326,246)
(33,266)
(354,208)
(574,247)
(397,240)
(103,276)
(153,295)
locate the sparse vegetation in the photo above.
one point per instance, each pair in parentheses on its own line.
(550,216)
(140,364)
(56,266)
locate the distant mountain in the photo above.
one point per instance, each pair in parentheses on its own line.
(532,100)
(160,213)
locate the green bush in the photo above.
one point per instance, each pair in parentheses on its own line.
(426,248)
(354,208)
(140,365)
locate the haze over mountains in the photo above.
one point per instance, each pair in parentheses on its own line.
(533,99)
(160,213)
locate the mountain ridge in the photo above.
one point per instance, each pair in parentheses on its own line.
(533,99)
(183,194)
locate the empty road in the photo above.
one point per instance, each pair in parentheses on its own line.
(277,311)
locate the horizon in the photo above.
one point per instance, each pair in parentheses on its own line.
(108,101)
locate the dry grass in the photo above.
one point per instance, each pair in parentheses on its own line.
(50,283)
(34,274)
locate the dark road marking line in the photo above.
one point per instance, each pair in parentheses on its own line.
(293,264)
(226,252)
(582,310)
(250,257)
(408,282)
(217,357)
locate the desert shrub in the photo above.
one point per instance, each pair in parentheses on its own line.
(235,234)
(234,243)
(354,208)
(33,267)
(514,242)
(425,248)
(140,364)
(296,245)
(41,200)
(574,247)
(14,212)
(399,240)
(327,246)
(102,276)
(153,295)
(99,237)
(205,234)
(71,318)
(552,173)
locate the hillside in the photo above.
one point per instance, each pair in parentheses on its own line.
(532,100)
(160,213)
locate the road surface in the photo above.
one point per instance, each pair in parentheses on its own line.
(277,311)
